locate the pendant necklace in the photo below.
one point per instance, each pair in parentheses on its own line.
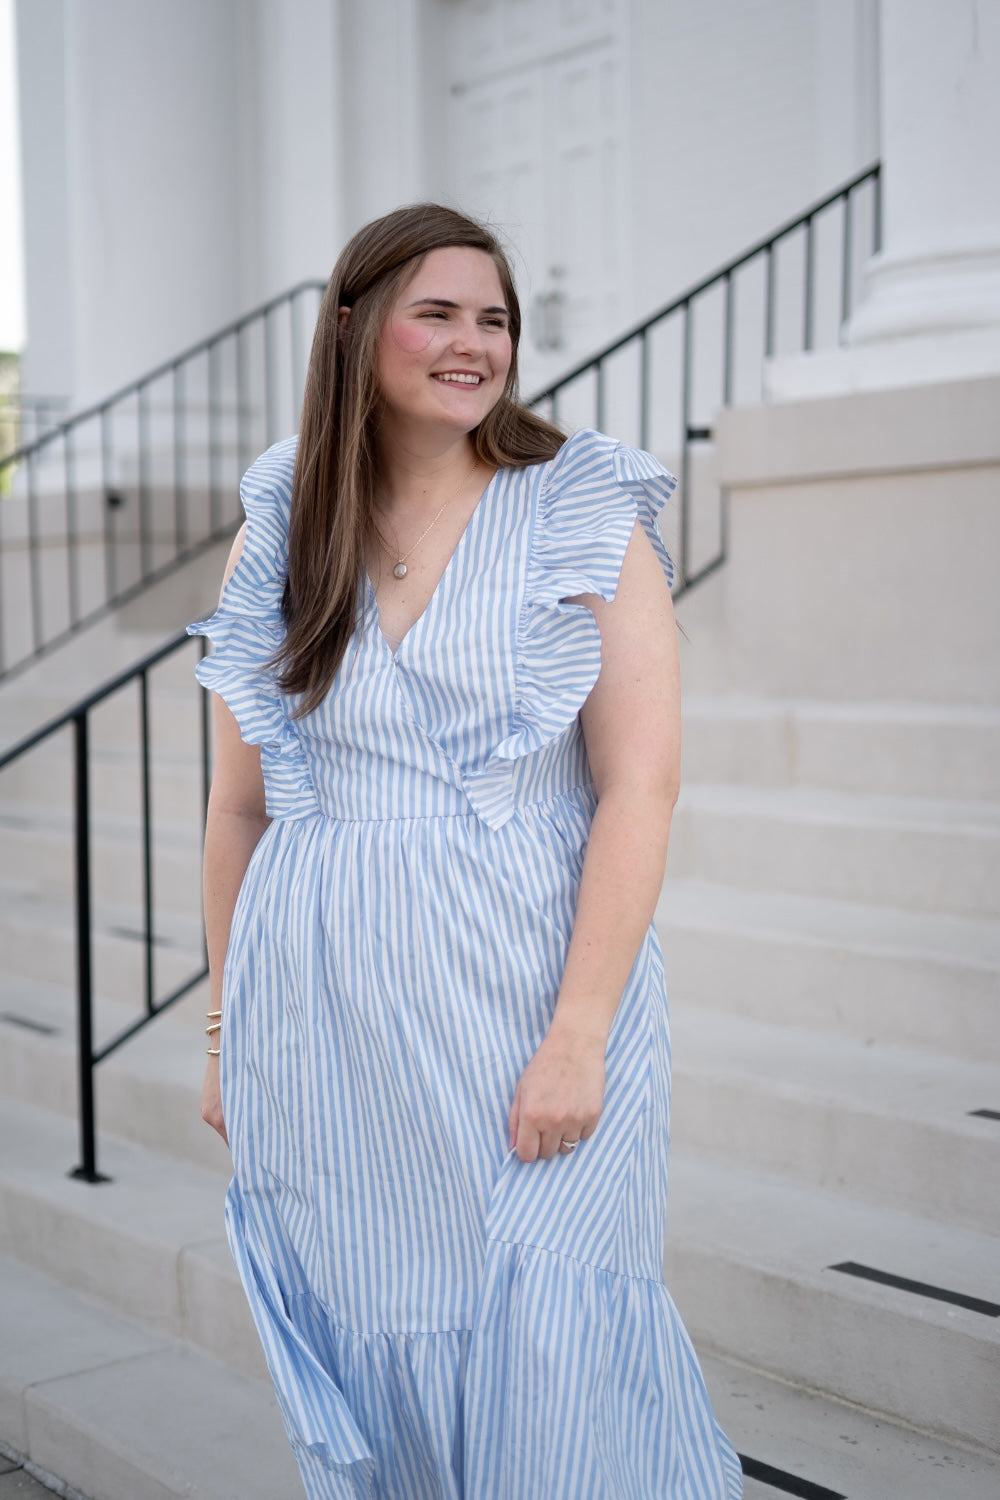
(400,569)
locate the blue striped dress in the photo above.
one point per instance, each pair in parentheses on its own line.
(441,1320)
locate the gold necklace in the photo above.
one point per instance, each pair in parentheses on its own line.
(400,569)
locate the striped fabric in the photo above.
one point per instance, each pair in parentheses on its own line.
(441,1320)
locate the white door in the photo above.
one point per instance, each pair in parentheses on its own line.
(536,145)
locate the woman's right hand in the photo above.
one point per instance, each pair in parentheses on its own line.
(211,1099)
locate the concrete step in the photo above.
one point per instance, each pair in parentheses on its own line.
(750,1265)
(912,853)
(38,941)
(881,1124)
(121,1412)
(111,646)
(54,586)
(55,682)
(149,1245)
(147,1092)
(94,520)
(50,601)
(821,1448)
(36,851)
(113,724)
(887,749)
(21,1479)
(174,710)
(855,970)
(41,783)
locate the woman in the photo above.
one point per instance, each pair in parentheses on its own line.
(436,837)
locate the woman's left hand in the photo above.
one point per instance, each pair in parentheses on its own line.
(559,1095)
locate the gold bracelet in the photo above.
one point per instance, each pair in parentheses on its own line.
(215,1024)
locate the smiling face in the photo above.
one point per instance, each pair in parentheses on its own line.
(445,350)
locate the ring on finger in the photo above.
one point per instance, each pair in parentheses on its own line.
(568,1145)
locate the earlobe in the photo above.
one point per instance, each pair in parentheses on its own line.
(343,313)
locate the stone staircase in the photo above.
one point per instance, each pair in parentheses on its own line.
(831,917)
(834,958)
(832,934)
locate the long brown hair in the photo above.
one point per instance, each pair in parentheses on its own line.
(336,467)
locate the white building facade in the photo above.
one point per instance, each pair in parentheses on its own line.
(183,162)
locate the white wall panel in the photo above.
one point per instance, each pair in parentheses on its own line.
(379,76)
(153,211)
(292,211)
(742,114)
(48,358)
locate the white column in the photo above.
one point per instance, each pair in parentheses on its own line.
(48,360)
(930,304)
(939,269)
(381,77)
(292,195)
(130,153)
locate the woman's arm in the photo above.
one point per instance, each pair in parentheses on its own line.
(631,724)
(236,821)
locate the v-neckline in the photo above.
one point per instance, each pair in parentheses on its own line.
(459,547)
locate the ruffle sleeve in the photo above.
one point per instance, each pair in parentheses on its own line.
(247,629)
(593,493)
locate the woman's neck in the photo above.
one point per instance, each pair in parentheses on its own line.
(410,475)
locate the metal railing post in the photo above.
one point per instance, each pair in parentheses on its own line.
(270,384)
(727,357)
(769,308)
(243,455)
(846,269)
(147,844)
(685,476)
(298,363)
(87,1169)
(178,395)
(34,560)
(214,484)
(145,483)
(807,311)
(72,529)
(108,520)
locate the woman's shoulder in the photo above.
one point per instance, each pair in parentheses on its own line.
(589,456)
(267,484)
(266,496)
(592,494)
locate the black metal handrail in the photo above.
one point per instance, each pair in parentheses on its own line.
(144,479)
(794,308)
(90,1055)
